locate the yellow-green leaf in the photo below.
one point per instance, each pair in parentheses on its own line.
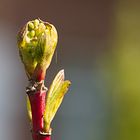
(55,96)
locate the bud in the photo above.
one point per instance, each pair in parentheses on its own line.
(37,41)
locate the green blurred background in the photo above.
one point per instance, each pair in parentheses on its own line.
(99,48)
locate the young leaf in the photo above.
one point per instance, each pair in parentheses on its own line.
(54,99)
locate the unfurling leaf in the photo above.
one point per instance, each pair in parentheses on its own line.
(54,99)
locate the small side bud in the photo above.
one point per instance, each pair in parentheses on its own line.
(36,23)
(30,26)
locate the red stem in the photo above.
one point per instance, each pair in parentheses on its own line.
(39,73)
(37,101)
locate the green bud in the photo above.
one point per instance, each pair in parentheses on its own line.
(41,28)
(30,26)
(36,23)
(31,34)
(37,41)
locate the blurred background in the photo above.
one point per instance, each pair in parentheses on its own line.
(99,48)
